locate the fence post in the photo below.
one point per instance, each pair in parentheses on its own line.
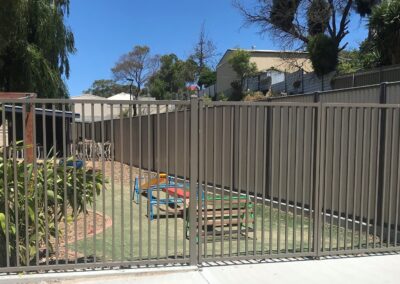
(381,153)
(194,163)
(317,183)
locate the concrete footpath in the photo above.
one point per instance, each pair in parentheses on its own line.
(370,269)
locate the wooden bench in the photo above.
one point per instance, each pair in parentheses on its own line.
(230,217)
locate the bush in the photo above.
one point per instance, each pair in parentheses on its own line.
(323,54)
(32,201)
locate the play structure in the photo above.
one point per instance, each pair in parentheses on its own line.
(222,215)
(164,183)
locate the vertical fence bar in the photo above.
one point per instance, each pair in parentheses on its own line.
(264,178)
(167,172)
(26,185)
(232,178)
(103,187)
(202,183)
(112,146)
(5,184)
(246,243)
(193,214)
(75,201)
(122,181)
(316,176)
(131,189)
(139,201)
(84,154)
(35,174)
(46,211)
(175,181)
(256,169)
(205,141)
(94,192)
(158,159)
(149,192)
(55,174)
(214,167)
(15,185)
(185,175)
(65,149)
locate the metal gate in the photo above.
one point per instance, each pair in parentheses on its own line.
(117,183)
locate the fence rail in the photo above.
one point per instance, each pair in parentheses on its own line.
(204,182)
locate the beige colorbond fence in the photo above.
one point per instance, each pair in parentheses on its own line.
(374,76)
(271,150)
(381,93)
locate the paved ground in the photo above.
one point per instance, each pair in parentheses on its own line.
(371,269)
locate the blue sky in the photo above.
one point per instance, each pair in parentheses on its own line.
(106,29)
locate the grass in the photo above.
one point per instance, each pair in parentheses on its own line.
(132,236)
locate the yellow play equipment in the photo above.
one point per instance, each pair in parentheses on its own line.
(161,180)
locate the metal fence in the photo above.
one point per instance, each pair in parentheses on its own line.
(204,182)
(380,93)
(367,77)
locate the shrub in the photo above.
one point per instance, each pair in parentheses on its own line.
(40,204)
(323,54)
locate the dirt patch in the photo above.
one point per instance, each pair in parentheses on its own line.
(64,251)
(120,171)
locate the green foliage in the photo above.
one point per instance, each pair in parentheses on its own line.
(349,61)
(40,199)
(240,62)
(323,54)
(318,16)
(207,78)
(170,81)
(221,97)
(34,47)
(385,24)
(107,88)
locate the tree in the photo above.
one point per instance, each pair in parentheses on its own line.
(34,47)
(203,52)
(106,88)
(207,78)
(240,62)
(296,23)
(385,25)
(171,79)
(137,66)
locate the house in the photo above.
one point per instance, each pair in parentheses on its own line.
(86,108)
(283,61)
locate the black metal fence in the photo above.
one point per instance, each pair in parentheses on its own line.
(190,182)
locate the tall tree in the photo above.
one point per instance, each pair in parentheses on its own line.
(137,66)
(204,51)
(297,23)
(106,88)
(34,46)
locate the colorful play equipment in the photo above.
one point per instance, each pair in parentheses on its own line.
(162,182)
